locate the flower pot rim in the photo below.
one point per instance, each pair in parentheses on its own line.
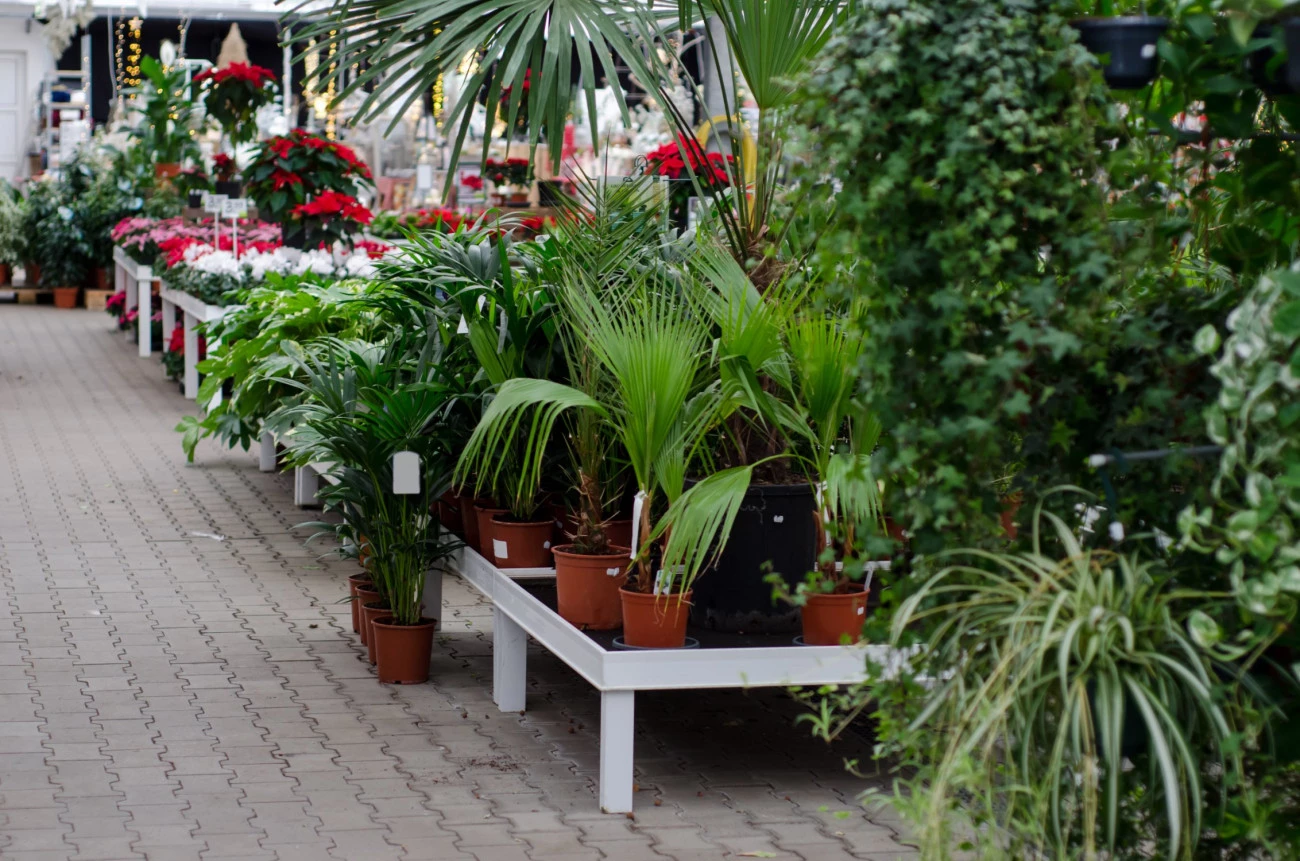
(836,597)
(685,597)
(375,605)
(387,622)
(495,519)
(1120,21)
(619,552)
(362,577)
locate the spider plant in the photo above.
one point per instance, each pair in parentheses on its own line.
(362,404)
(1048,673)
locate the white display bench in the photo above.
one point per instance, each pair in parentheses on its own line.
(195,311)
(618,674)
(128,276)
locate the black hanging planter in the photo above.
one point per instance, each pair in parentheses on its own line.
(1125,46)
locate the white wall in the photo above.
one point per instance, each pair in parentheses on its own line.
(17,35)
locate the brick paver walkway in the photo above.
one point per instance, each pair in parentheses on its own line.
(177,680)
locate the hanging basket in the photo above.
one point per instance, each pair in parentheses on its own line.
(1125,47)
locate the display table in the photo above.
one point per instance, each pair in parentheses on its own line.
(525,607)
(195,312)
(127,278)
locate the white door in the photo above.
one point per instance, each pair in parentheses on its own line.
(13,111)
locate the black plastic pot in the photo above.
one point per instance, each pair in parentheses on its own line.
(776,524)
(293,236)
(1125,46)
(194,200)
(233,189)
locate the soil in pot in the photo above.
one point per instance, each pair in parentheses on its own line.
(483,513)
(654,621)
(404,650)
(587,587)
(366,592)
(369,613)
(354,582)
(525,544)
(1125,46)
(66,297)
(829,620)
(776,523)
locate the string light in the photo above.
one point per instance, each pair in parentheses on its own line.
(119,67)
(132,77)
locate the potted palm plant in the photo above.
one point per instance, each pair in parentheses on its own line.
(363,405)
(164,130)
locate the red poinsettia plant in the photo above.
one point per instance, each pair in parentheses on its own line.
(512,171)
(669,160)
(330,215)
(223,167)
(233,94)
(289,170)
(441,220)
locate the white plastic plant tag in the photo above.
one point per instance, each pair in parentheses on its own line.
(661,581)
(500,549)
(406,472)
(423,176)
(462,328)
(234,207)
(613,572)
(637,504)
(214,203)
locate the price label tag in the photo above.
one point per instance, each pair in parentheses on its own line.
(213,203)
(406,472)
(234,207)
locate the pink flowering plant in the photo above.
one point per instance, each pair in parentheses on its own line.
(143,238)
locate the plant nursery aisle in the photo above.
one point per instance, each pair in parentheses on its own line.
(177,679)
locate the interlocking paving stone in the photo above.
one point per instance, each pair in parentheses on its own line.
(168,695)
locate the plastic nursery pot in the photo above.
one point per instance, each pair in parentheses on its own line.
(404,650)
(587,587)
(166,170)
(4,274)
(654,621)
(522,545)
(449,513)
(619,532)
(366,592)
(369,613)
(483,514)
(469,519)
(354,582)
(1126,47)
(363,549)
(829,620)
(66,297)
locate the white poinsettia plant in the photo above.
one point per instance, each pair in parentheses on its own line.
(215,275)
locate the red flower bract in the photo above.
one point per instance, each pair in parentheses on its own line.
(331,203)
(255,75)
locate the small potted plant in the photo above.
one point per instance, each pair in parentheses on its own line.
(233,94)
(1125,44)
(292,170)
(328,217)
(226,176)
(13,238)
(63,252)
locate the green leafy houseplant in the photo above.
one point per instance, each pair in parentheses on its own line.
(56,240)
(167,115)
(1046,674)
(13,221)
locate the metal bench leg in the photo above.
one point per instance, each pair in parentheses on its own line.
(433,596)
(191,357)
(509,662)
(266,453)
(305,483)
(617,713)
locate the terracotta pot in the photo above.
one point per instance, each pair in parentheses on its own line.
(166,170)
(1010,508)
(4,273)
(449,513)
(469,519)
(619,532)
(365,592)
(655,621)
(518,197)
(363,550)
(829,620)
(522,545)
(369,613)
(66,297)
(101,278)
(355,581)
(588,586)
(484,514)
(404,650)
(32,271)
